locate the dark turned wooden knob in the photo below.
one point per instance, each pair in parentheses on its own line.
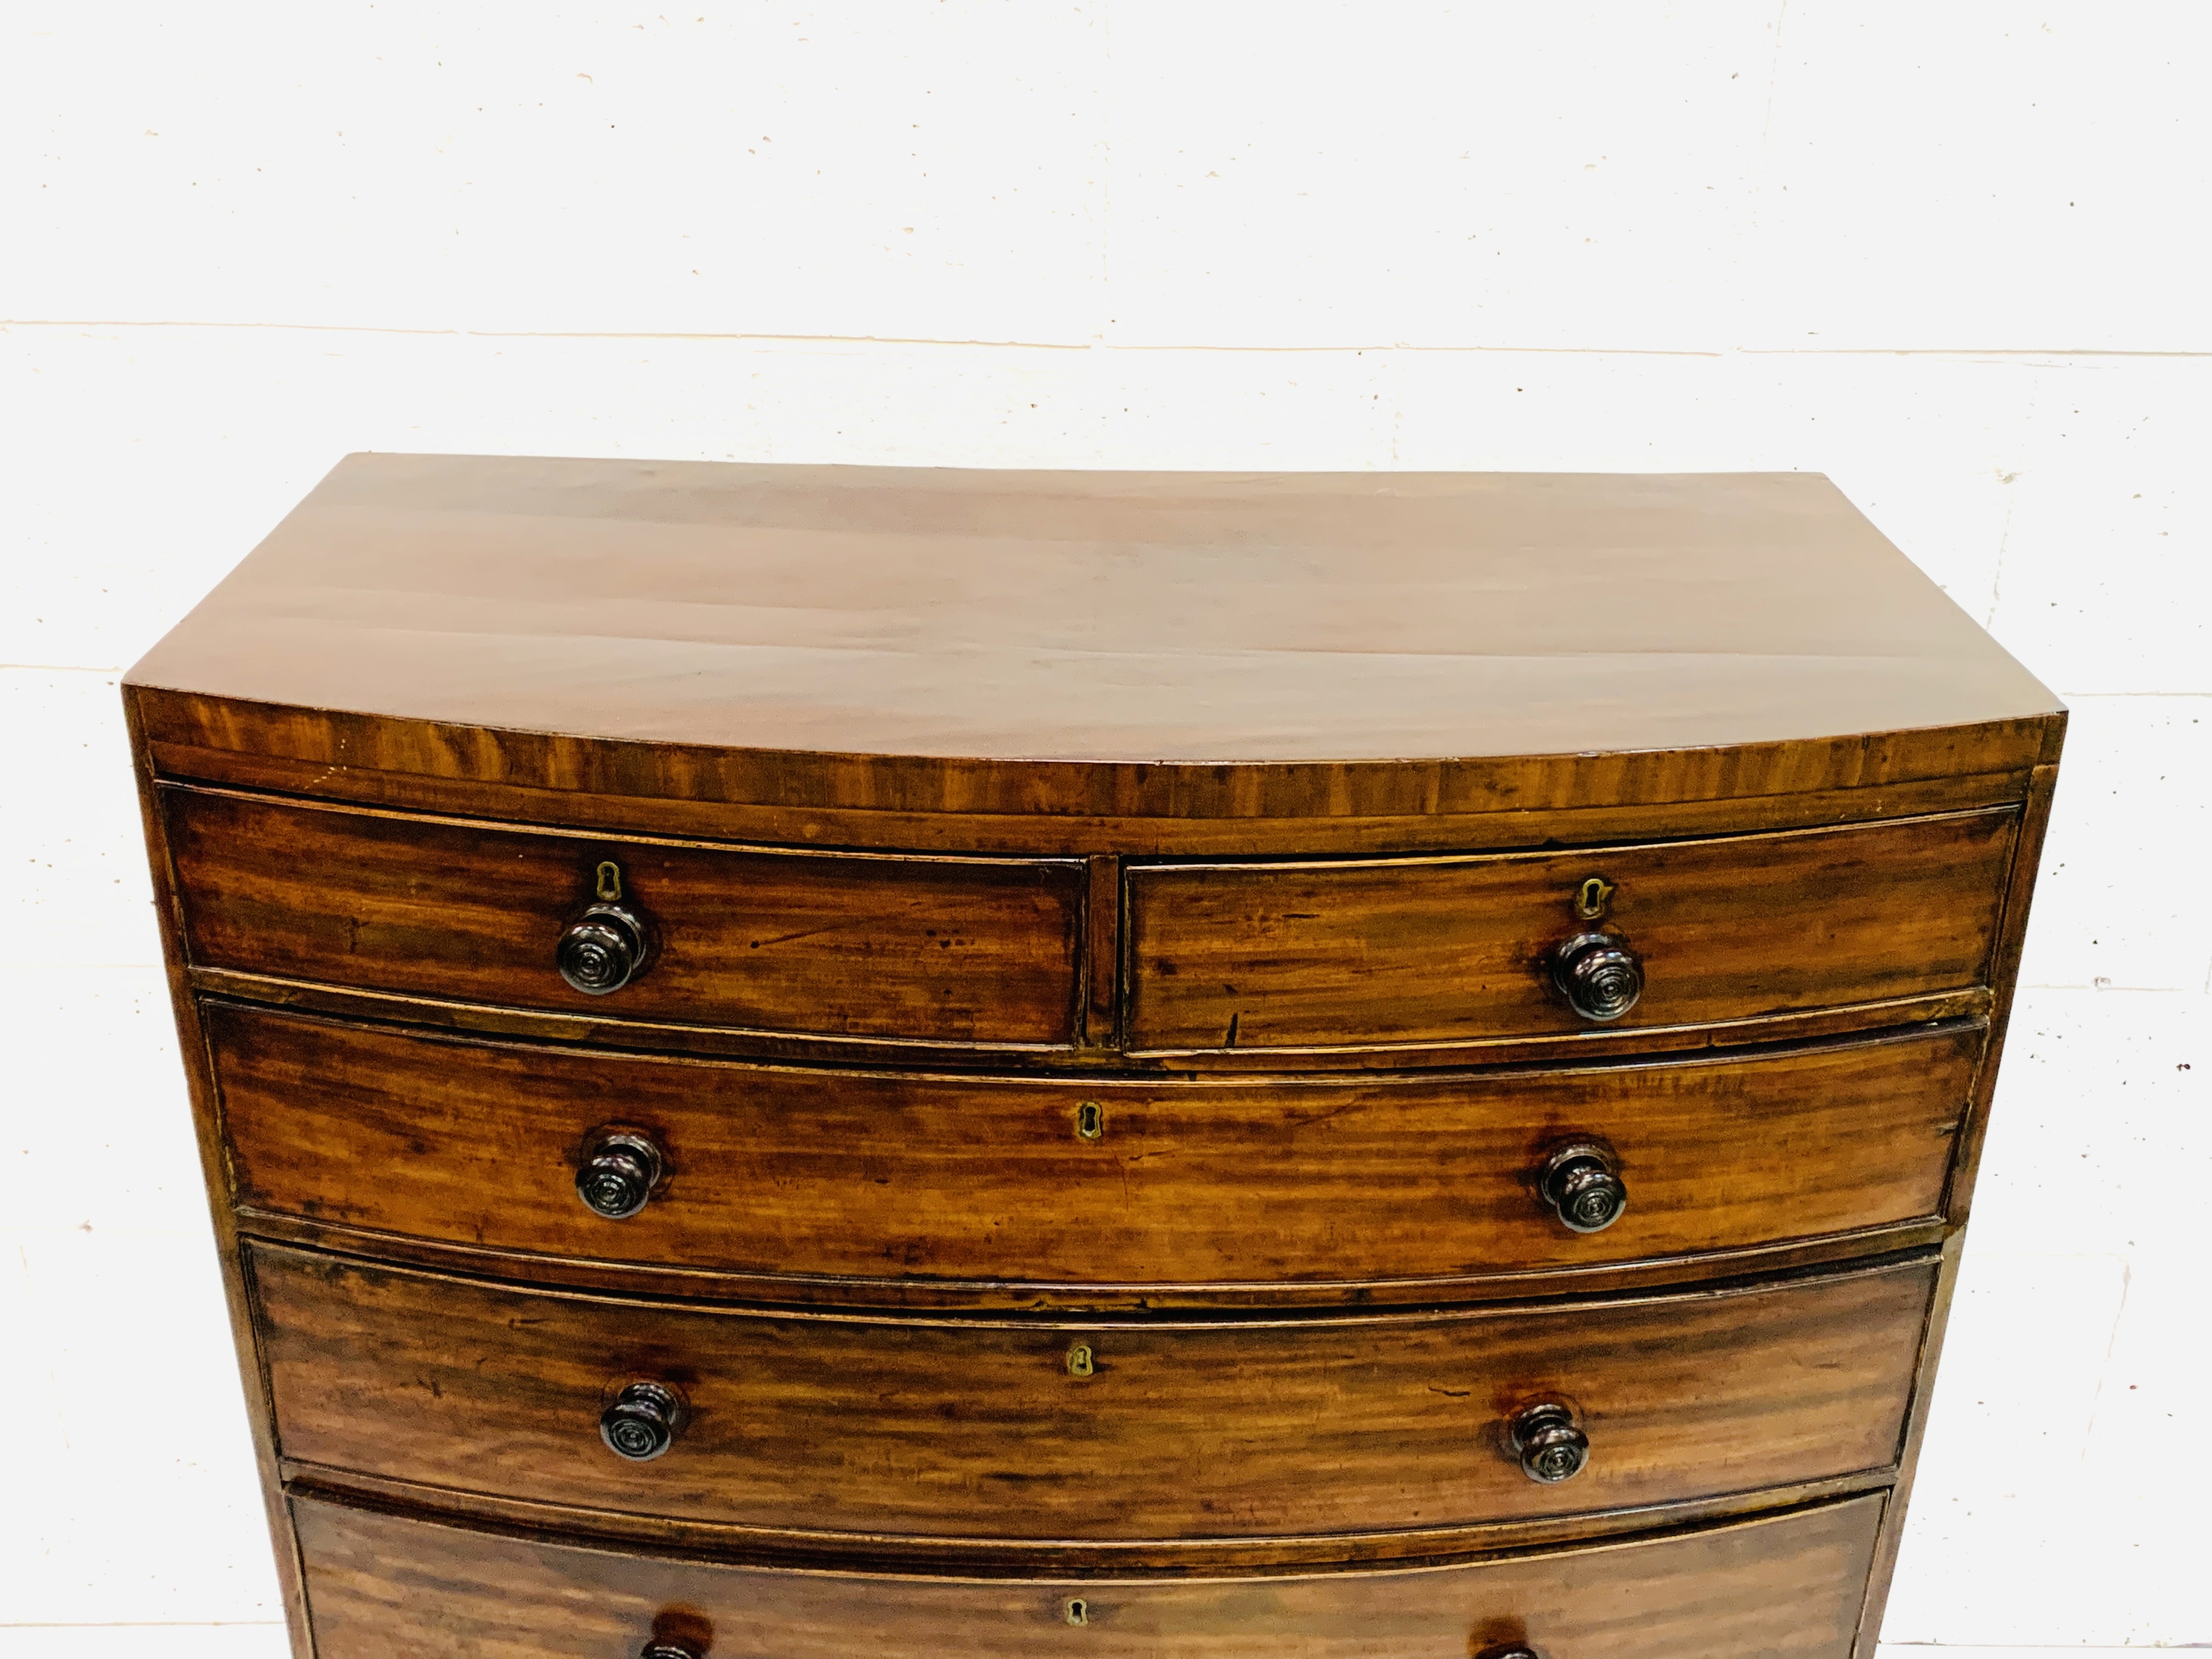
(1581,1183)
(618,1173)
(642,1424)
(1599,975)
(603,950)
(1551,1448)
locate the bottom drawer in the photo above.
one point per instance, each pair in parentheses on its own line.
(380,1586)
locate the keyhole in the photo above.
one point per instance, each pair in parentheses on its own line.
(609,884)
(1592,897)
(1078,1610)
(1090,1120)
(1080,1361)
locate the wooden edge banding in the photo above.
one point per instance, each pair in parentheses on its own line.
(749,1291)
(1482,1068)
(488,1019)
(1145,809)
(492,1019)
(2020,888)
(1092,1560)
(527,805)
(2011,942)
(1891,1535)
(1925,1261)
(201,1091)
(1149,872)
(2054,738)
(817,855)
(1965,1003)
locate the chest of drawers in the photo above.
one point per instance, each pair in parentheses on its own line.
(801,1061)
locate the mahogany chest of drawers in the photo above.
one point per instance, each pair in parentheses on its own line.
(818,1063)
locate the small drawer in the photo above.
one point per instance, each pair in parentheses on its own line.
(944,950)
(1780,1587)
(1417,951)
(1006,1187)
(850,1424)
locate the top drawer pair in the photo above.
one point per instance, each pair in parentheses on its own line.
(988,952)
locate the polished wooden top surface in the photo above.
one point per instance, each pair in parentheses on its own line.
(1114,617)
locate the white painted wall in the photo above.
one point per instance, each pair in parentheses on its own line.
(1952,254)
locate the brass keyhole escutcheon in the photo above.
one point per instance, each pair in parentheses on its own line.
(1090,1120)
(1081,1362)
(1592,897)
(609,887)
(1078,1610)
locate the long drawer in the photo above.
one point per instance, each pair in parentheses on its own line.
(997,1429)
(1783,1586)
(1428,950)
(856,946)
(980,1182)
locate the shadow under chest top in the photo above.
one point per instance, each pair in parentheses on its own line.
(821,1061)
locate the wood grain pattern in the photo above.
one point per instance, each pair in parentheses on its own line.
(1102,952)
(1214,644)
(982,1184)
(1078,1558)
(963,949)
(1783,1586)
(2020,891)
(1575,1047)
(975,1430)
(314,752)
(1189,808)
(214,1159)
(1244,808)
(1285,956)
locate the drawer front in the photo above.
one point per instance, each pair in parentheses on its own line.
(935,949)
(1006,1182)
(991,1431)
(1789,1587)
(1439,950)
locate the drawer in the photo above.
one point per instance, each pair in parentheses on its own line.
(1784,1587)
(1416,951)
(951,950)
(995,1184)
(1000,1433)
